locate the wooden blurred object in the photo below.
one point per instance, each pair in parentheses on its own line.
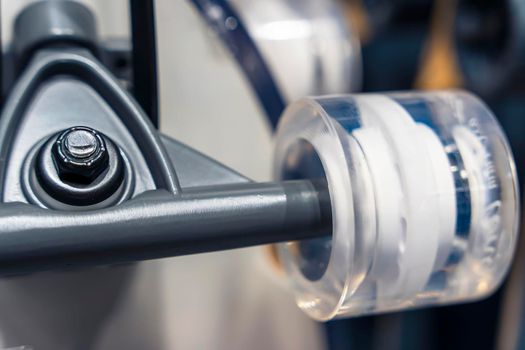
(357,19)
(439,68)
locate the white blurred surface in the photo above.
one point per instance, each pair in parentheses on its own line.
(205,100)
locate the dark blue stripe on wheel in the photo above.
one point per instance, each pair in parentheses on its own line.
(223,19)
(421,112)
(343,110)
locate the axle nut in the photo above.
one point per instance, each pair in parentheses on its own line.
(80,154)
(80,166)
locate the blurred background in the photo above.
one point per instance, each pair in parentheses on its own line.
(223,95)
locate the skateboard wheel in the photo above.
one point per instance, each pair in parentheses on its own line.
(423,194)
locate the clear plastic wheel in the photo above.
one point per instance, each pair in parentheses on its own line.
(424,201)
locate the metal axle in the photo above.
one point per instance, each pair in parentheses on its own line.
(158,224)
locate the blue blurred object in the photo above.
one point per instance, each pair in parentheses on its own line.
(229,26)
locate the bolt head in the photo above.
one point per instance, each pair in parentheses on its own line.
(80,144)
(80,154)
